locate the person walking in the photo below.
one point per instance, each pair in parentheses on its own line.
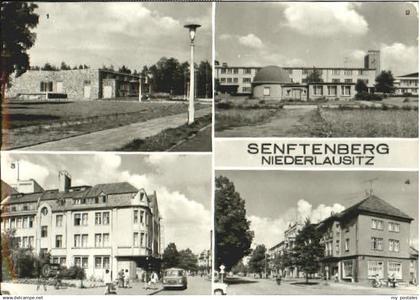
(126,279)
(41,279)
(121,278)
(154,280)
(108,282)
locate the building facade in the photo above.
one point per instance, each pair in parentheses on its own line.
(84,84)
(368,239)
(337,82)
(106,226)
(407,84)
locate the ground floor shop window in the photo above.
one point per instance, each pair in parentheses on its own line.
(395,269)
(81,261)
(347,269)
(375,268)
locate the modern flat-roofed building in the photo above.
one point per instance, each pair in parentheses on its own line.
(337,82)
(106,226)
(83,84)
(407,84)
(369,238)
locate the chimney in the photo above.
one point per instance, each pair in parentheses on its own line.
(64,181)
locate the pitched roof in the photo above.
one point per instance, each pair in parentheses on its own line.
(112,188)
(416,74)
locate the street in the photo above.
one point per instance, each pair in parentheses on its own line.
(251,286)
(196,286)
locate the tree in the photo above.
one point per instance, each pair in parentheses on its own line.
(170,257)
(240,268)
(64,66)
(385,82)
(233,237)
(17,20)
(49,67)
(204,80)
(188,260)
(282,261)
(258,261)
(124,70)
(308,251)
(314,76)
(361,86)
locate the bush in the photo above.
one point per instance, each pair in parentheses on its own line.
(73,272)
(368,96)
(224,105)
(24,263)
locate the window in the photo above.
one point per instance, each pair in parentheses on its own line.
(375,268)
(25,222)
(19,223)
(77,220)
(59,241)
(102,198)
(59,220)
(229,71)
(44,231)
(25,242)
(101,262)
(25,207)
(247,71)
(336,80)
(266,91)
(85,219)
(348,72)
(246,89)
(223,80)
(345,90)
(59,260)
(317,90)
(377,224)
(394,246)
(223,71)
(142,212)
(98,218)
(98,240)
(336,72)
(348,80)
(81,261)
(77,243)
(235,70)
(142,241)
(395,269)
(31,222)
(393,227)
(30,241)
(332,90)
(136,239)
(135,216)
(105,218)
(12,223)
(246,80)
(347,245)
(84,240)
(105,238)
(347,269)
(377,243)
(235,80)
(46,86)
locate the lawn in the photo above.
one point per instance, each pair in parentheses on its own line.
(364,123)
(21,114)
(169,138)
(231,118)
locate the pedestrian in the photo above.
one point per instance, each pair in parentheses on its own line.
(108,282)
(121,278)
(154,280)
(126,279)
(41,280)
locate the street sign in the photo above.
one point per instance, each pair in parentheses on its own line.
(222,269)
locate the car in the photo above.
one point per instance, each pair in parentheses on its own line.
(174,278)
(219,288)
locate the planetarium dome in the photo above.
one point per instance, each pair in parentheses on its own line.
(272,74)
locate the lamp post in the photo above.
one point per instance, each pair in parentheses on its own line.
(192,30)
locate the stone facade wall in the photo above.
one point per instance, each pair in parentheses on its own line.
(73,83)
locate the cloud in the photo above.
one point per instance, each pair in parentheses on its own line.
(324,19)
(399,58)
(269,231)
(225,36)
(251,41)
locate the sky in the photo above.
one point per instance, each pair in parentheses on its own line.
(277,198)
(131,33)
(183,190)
(317,34)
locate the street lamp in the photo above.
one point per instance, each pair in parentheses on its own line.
(192,30)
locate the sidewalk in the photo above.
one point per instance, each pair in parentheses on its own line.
(115,138)
(30,289)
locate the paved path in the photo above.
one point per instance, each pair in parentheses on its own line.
(250,286)
(285,123)
(115,138)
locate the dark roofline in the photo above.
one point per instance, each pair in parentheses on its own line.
(416,74)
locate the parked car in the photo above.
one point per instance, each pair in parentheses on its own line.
(174,278)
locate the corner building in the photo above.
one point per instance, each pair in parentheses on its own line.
(106,226)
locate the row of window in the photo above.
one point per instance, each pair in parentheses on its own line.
(101,262)
(332,90)
(46,86)
(379,225)
(93,200)
(22,207)
(304,71)
(140,216)
(377,244)
(18,222)
(25,241)
(235,80)
(235,71)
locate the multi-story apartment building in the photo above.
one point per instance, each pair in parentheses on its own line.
(369,238)
(407,84)
(204,260)
(106,226)
(240,79)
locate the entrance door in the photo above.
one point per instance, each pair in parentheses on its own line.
(59,87)
(86,91)
(107,92)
